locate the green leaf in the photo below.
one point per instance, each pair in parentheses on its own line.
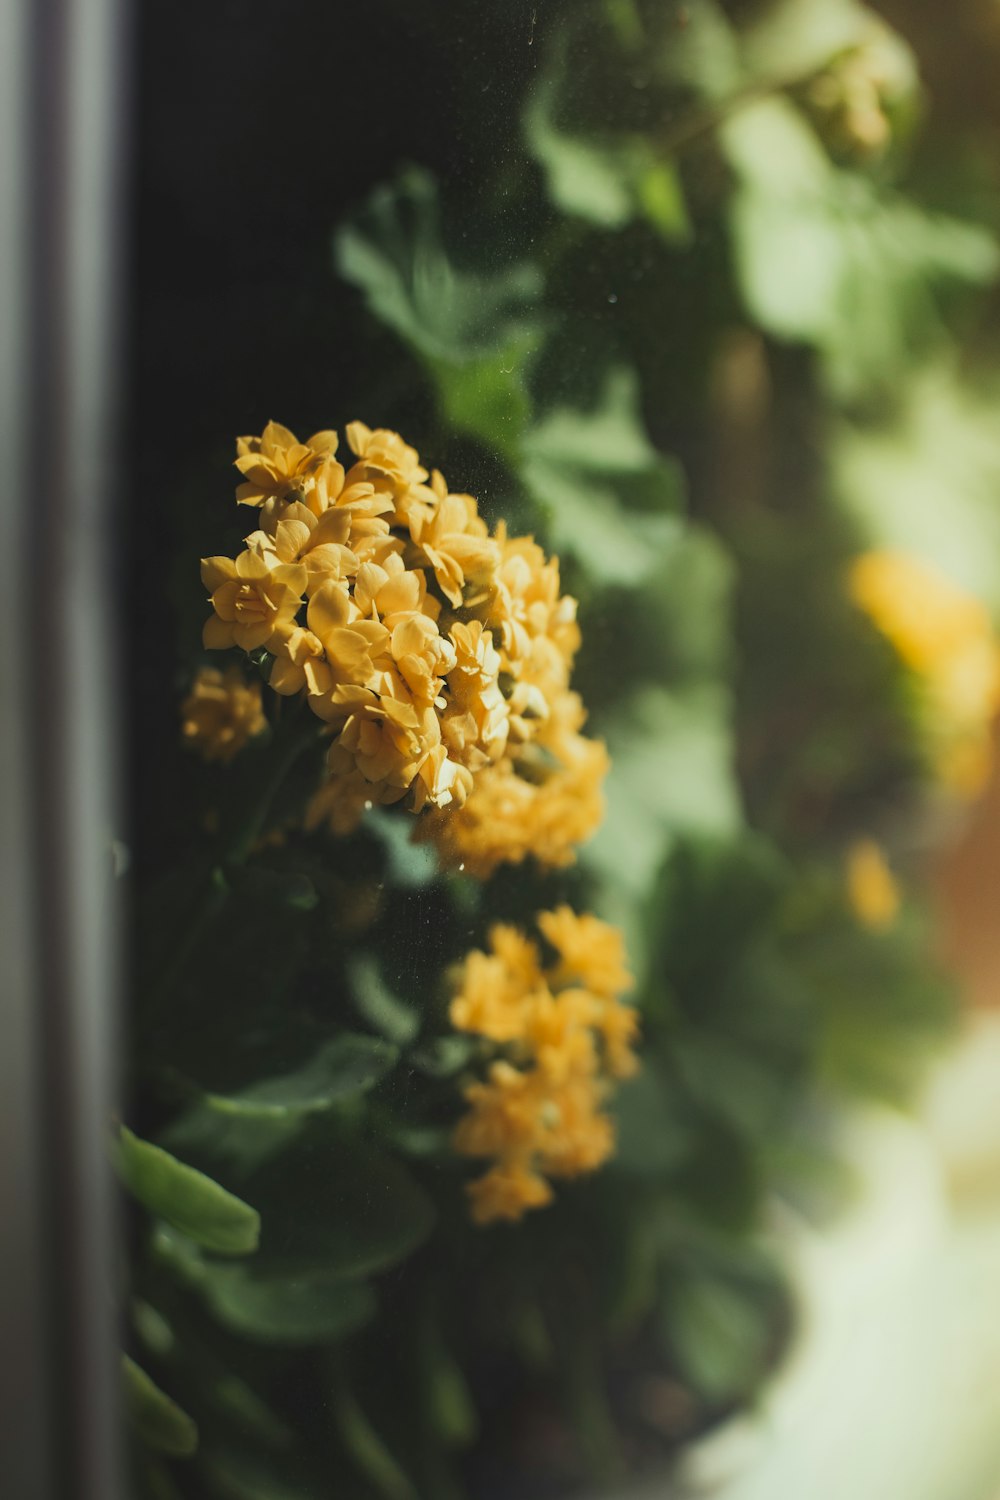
(160,1422)
(793,38)
(488,397)
(186,1198)
(583,177)
(343,1068)
(277,888)
(248,1474)
(341,1205)
(660,195)
(409,865)
(394,251)
(233,1143)
(609,494)
(652,1136)
(716,898)
(674,629)
(606,179)
(306,1307)
(833,259)
(444,1056)
(448,1401)
(671,772)
(379,1006)
(367,1448)
(720,1331)
(943,440)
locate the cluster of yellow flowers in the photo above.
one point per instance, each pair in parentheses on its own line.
(438,653)
(564,1035)
(221,713)
(947,640)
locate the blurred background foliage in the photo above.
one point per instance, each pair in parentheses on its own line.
(703,295)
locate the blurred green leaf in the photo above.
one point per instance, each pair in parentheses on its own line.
(942,440)
(652,1135)
(237,1143)
(675,629)
(340,1205)
(186,1198)
(447,1400)
(444,1056)
(610,496)
(476,332)
(160,1422)
(368,1450)
(605,179)
(671,771)
(408,865)
(245,1473)
(347,1065)
(291,888)
(305,1307)
(488,397)
(716,898)
(720,1330)
(394,251)
(790,39)
(831,258)
(375,1001)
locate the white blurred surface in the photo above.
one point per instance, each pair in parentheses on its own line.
(893,1389)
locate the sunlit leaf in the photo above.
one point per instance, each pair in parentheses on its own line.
(944,440)
(186,1198)
(603,178)
(834,259)
(609,495)
(159,1421)
(394,251)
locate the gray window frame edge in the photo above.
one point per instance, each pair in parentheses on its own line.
(62,77)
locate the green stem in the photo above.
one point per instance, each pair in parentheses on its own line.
(251,829)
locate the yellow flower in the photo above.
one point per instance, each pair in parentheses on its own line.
(495,989)
(592,952)
(506,1191)
(557,1033)
(221,713)
(451,537)
(255,604)
(387,462)
(539,1111)
(540,802)
(438,654)
(276,464)
(946,638)
(871,887)
(504,1114)
(576,1137)
(339,802)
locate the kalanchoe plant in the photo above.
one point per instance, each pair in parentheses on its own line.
(439,654)
(427,1199)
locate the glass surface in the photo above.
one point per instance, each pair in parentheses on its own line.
(550,886)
